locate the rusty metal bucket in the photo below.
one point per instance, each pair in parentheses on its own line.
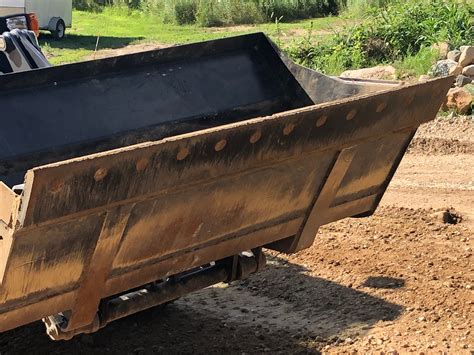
(149,174)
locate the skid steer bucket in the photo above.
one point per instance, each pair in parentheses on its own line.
(159,173)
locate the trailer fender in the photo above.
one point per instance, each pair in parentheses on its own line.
(53,23)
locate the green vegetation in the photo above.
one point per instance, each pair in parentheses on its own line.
(416,64)
(360,8)
(399,32)
(116,29)
(209,13)
(369,32)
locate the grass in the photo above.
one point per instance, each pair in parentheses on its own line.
(209,13)
(416,64)
(118,29)
(397,33)
(330,44)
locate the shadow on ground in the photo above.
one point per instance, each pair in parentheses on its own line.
(74,41)
(383,282)
(280,310)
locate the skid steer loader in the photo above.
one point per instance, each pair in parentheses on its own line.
(130,181)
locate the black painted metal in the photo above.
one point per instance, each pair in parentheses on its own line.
(168,291)
(71,110)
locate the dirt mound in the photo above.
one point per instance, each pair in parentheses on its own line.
(444,136)
(421,145)
(459,127)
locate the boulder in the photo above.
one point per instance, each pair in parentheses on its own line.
(442,67)
(378,72)
(468,71)
(469,88)
(462,80)
(442,48)
(455,70)
(467,56)
(458,99)
(454,55)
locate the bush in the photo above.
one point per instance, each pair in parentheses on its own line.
(291,10)
(222,12)
(185,12)
(87,5)
(359,8)
(211,13)
(391,34)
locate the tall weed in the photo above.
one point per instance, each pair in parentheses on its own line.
(399,30)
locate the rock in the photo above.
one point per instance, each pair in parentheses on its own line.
(442,48)
(458,99)
(469,88)
(442,67)
(455,70)
(378,72)
(454,55)
(424,78)
(447,216)
(468,71)
(462,80)
(467,56)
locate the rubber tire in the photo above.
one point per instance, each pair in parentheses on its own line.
(60,31)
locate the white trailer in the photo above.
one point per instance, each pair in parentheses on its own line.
(52,15)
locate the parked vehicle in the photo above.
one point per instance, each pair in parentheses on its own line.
(52,15)
(130,181)
(20,51)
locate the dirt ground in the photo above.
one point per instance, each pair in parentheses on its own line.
(400,281)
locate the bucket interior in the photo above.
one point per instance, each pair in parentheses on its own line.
(68,111)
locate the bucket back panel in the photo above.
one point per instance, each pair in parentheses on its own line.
(71,112)
(222,208)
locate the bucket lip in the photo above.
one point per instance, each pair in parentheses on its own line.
(289,114)
(115,64)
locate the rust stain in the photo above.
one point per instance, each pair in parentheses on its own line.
(56,185)
(288,129)
(141,164)
(382,106)
(351,114)
(182,154)
(254,138)
(100,174)
(321,121)
(220,145)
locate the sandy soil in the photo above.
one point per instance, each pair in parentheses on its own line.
(130,49)
(400,281)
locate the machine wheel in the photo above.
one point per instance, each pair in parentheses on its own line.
(60,30)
